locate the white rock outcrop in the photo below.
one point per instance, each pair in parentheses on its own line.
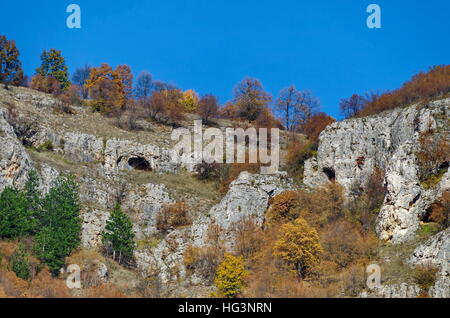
(350,150)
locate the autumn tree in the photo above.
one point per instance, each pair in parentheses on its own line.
(230,276)
(118,236)
(126,76)
(298,245)
(106,88)
(190,100)
(11,72)
(351,106)
(53,65)
(144,86)
(315,125)
(250,98)
(80,77)
(296,107)
(166,107)
(208,107)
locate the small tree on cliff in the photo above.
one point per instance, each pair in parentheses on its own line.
(118,236)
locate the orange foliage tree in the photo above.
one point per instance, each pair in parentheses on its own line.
(106,88)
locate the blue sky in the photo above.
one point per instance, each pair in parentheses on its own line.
(210,45)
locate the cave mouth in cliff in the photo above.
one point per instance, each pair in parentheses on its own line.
(139,163)
(331,175)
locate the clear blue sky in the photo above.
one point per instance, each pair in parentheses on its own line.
(209,45)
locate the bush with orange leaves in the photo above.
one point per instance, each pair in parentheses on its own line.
(172,216)
(315,125)
(344,243)
(48,84)
(422,87)
(285,207)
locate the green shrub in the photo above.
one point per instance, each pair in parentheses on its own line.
(20,264)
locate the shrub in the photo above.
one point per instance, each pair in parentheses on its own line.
(440,211)
(71,96)
(284,207)
(46,84)
(344,243)
(425,276)
(46,146)
(298,151)
(230,276)
(203,261)
(298,245)
(20,264)
(172,216)
(249,237)
(432,159)
(207,171)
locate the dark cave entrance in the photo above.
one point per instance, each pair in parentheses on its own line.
(139,163)
(331,175)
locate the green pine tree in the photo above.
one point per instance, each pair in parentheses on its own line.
(33,197)
(14,215)
(60,224)
(118,236)
(54,65)
(20,264)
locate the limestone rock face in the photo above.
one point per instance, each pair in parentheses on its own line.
(94,222)
(14,160)
(146,201)
(82,147)
(248,196)
(124,154)
(436,252)
(403,290)
(350,150)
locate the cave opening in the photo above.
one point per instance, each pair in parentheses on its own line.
(139,163)
(331,175)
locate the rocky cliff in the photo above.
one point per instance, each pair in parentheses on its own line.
(135,168)
(349,152)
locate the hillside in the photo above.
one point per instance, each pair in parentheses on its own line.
(134,168)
